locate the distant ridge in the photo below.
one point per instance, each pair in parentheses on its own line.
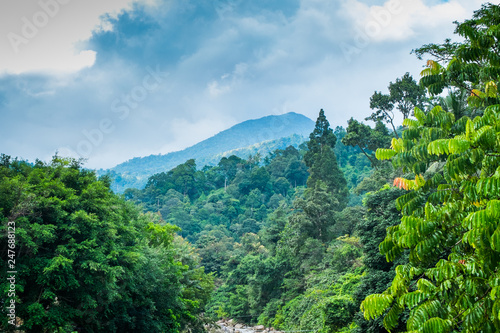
(241,138)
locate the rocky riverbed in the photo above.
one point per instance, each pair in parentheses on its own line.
(230,326)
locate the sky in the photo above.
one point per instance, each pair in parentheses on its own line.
(116,79)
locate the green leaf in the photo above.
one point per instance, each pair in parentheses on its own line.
(436,325)
(384,154)
(376,304)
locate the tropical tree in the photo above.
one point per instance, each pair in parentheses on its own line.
(449,224)
(182,178)
(88,261)
(450,217)
(455,102)
(404,95)
(366,138)
(473,65)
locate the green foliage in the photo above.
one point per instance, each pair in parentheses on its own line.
(367,139)
(353,164)
(316,213)
(181,178)
(455,102)
(319,139)
(322,162)
(262,234)
(471,66)
(448,225)
(381,214)
(404,94)
(325,169)
(450,172)
(324,307)
(88,260)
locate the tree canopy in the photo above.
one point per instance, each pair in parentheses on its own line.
(322,162)
(450,215)
(404,95)
(88,261)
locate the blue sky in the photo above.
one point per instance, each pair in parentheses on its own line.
(111,80)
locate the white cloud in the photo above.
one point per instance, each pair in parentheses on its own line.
(227,81)
(398,20)
(42,35)
(189,132)
(215,89)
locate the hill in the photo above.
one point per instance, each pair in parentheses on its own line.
(249,137)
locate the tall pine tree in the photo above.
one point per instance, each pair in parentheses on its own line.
(322,162)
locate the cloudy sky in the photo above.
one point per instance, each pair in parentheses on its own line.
(111,80)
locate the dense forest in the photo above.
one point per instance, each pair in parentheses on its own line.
(257,136)
(382,228)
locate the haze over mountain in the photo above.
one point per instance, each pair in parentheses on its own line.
(261,135)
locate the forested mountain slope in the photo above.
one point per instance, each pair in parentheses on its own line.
(261,135)
(264,226)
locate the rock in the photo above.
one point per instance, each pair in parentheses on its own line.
(238,326)
(259,328)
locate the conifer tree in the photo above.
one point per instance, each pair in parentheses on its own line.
(321,137)
(322,162)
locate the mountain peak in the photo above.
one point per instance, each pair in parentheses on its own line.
(135,172)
